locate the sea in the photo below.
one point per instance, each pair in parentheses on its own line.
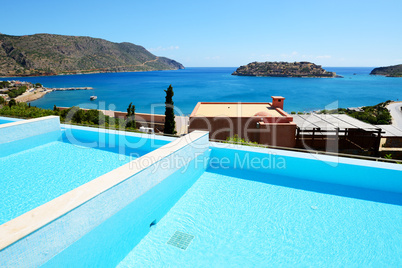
(115,91)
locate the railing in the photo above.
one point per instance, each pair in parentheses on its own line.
(100,126)
(119,129)
(362,139)
(377,159)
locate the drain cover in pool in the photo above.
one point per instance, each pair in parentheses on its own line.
(180,240)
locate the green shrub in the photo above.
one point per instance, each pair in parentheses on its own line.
(72,115)
(236,139)
(12,93)
(376,115)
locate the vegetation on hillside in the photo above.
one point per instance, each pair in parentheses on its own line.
(4,84)
(49,54)
(15,88)
(12,93)
(376,114)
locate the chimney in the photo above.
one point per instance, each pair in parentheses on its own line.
(277,101)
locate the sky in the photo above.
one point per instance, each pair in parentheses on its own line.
(226,33)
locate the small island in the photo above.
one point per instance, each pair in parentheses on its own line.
(389,71)
(283,69)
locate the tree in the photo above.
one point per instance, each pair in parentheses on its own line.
(131,116)
(12,102)
(4,84)
(78,115)
(170,124)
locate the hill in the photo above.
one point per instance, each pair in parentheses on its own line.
(283,69)
(390,71)
(50,54)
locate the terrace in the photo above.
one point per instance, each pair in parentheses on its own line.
(158,201)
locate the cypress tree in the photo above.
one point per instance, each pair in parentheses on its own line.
(131,116)
(170,124)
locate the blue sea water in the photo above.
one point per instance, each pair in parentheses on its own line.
(146,89)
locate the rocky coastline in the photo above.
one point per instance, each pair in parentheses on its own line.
(388,71)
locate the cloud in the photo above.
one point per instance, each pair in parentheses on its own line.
(324,57)
(163,48)
(294,56)
(213,58)
(290,56)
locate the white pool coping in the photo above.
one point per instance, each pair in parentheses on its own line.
(48,123)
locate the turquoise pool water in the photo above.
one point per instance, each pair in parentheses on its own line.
(256,220)
(5,120)
(33,177)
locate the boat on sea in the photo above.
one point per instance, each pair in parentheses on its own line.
(93,97)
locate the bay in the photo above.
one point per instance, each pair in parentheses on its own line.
(146,89)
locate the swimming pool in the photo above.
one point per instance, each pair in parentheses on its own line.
(54,168)
(39,168)
(248,216)
(253,220)
(218,205)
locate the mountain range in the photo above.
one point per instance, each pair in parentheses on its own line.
(51,54)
